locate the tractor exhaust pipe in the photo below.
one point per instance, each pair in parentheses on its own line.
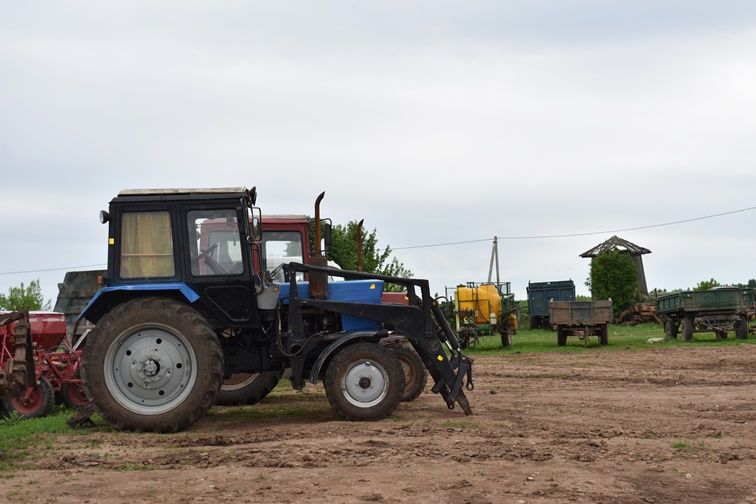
(359,245)
(318,280)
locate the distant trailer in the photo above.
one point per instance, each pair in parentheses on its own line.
(539,295)
(581,318)
(718,310)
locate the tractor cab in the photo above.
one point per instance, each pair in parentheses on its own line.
(194,244)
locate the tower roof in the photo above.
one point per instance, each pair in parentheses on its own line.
(615,243)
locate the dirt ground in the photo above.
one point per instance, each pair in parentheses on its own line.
(675,425)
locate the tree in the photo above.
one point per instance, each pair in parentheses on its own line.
(613,276)
(705,285)
(344,253)
(22,298)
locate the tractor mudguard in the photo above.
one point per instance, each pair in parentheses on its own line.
(97,306)
(330,349)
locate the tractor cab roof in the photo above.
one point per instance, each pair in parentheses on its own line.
(172,194)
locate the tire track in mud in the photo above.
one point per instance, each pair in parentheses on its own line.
(612,427)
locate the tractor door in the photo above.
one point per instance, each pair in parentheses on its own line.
(219,263)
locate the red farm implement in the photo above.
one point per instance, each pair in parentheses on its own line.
(37,362)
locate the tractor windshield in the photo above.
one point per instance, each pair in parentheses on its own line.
(214,244)
(281,247)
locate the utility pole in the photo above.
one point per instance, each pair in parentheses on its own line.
(494,259)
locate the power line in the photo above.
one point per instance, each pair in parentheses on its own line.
(53,269)
(464,242)
(571,235)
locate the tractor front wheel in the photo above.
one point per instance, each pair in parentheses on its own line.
(152,364)
(364,382)
(415,374)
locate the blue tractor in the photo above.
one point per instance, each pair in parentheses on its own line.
(186,305)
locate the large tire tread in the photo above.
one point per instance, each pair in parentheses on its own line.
(339,365)
(206,347)
(418,377)
(252,393)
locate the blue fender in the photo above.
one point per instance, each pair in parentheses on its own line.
(103,293)
(330,349)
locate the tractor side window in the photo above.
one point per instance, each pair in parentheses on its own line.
(146,245)
(281,247)
(214,244)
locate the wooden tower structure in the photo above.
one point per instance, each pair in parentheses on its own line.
(624,246)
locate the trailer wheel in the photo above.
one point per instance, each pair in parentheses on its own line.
(73,395)
(152,364)
(604,334)
(415,374)
(248,388)
(37,401)
(687,328)
(561,336)
(670,328)
(741,328)
(506,338)
(364,382)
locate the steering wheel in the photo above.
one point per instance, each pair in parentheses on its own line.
(212,263)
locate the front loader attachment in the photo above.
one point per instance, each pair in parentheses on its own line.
(16,353)
(421,322)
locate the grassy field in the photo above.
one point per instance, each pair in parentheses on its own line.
(17,435)
(620,338)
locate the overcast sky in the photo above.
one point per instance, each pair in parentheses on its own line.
(434,121)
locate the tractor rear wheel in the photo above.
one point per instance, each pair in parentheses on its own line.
(415,374)
(37,401)
(364,382)
(152,364)
(248,388)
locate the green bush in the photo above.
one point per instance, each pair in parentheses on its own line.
(613,276)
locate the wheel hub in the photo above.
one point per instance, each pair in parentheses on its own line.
(150,370)
(365,384)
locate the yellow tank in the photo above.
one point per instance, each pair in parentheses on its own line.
(480,302)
